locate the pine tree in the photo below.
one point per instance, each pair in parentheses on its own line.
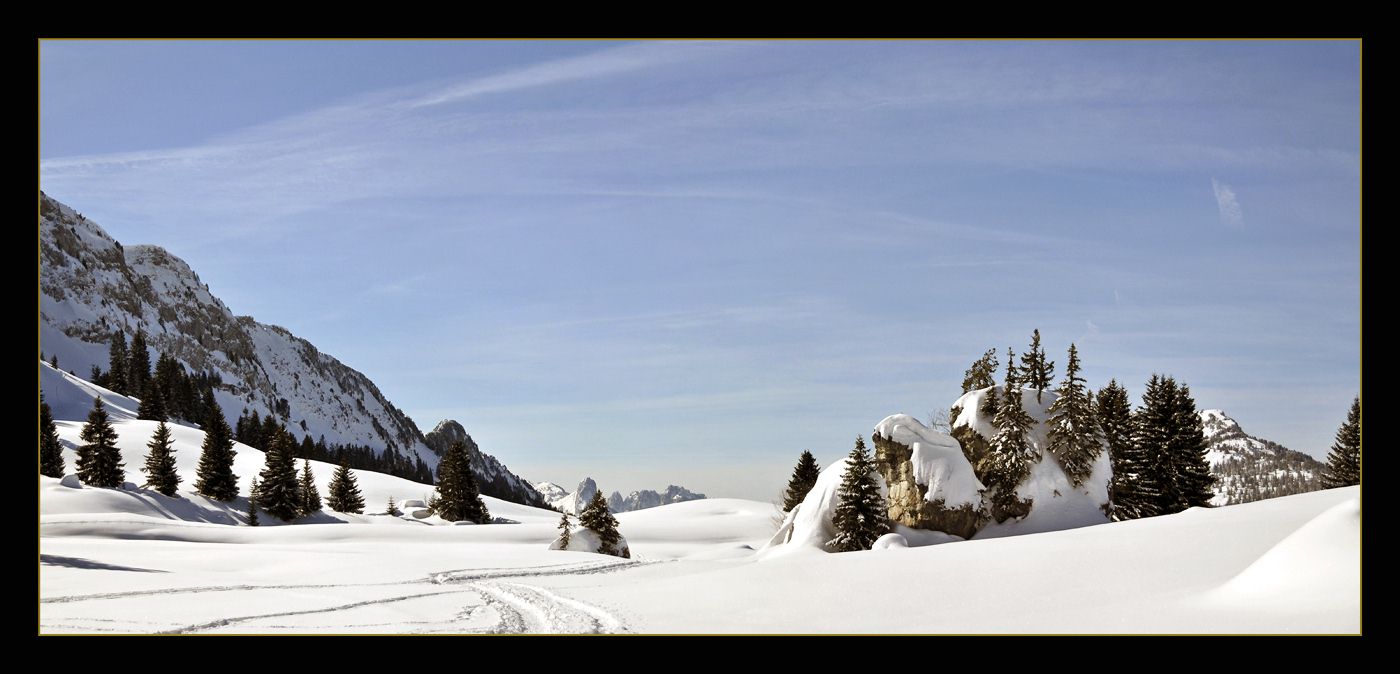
(983,372)
(95,376)
(168,378)
(214,477)
(804,477)
(458,496)
(279,493)
(1344,461)
(160,462)
(343,493)
(1074,437)
(138,365)
(1010,455)
(393,509)
(564,526)
(50,449)
(116,364)
(1193,478)
(152,404)
(597,518)
(1152,434)
(99,460)
(53,361)
(310,498)
(861,515)
(1130,494)
(253,503)
(1036,372)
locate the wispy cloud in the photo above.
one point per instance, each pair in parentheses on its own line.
(1229,205)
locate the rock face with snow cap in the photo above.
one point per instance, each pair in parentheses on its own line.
(931,484)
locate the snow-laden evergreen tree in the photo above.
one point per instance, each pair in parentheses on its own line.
(138,365)
(253,503)
(160,462)
(1036,372)
(1011,454)
(1074,437)
(214,478)
(99,460)
(152,404)
(393,509)
(804,477)
(982,373)
(564,527)
(343,493)
(279,491)
(1130,494)
(861,515)
(116,365)
(50,449)
(597,518)
(1344,460)
(310,498)
(1194,481)
(458,496)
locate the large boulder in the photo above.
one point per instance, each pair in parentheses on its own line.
(931,483)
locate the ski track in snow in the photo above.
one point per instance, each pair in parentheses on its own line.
(519,608)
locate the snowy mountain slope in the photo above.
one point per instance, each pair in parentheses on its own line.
(492,476)
(91,286)
(1248,468)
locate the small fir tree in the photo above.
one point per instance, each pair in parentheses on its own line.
(564,527)
(160,462)
(50,449)
(983,372)
(116,365)
(343,492)
(393,509)
(1011,454)
(253,503)
(138,365)
(310,498)
(597,518)
(804,477)
(53,361)
(1344,461)
(279,492)
(861,515)
(1036,372)
(1130,493)
(214,478)
(1075,438)
(99,460)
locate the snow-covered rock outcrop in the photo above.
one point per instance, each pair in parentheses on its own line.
(931,484)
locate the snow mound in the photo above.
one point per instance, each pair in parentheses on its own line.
(1314,565)
(586,540)
(71,481)
(939,462)
(413,503)
(889,542)
(809,526)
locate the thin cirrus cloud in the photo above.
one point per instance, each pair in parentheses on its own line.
(1229,205)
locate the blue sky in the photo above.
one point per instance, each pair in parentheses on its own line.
(687,262)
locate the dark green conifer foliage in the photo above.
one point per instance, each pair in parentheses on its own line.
(99,460)
(214,478)
(1130,493)
(982,373)
(1074,438)
(160,462)
(861,515)
(116,365)
(804,477)
(1344,461)
(53,361)
(279,493)
(564,527)
(51,462)
(344,493)
(597,518)
(152,404)
(253,503)
(310,498)
(1152,435)
(1036,372)
(1194,481)
(1010,454)
(393,508)
(138,366)
(458,497)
